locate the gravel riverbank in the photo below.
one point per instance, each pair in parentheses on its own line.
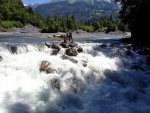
(32,31)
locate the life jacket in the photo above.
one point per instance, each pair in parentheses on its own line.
(65,37)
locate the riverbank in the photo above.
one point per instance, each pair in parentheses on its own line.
(32,31)
(74,34)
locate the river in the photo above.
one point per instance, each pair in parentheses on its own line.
(102,81)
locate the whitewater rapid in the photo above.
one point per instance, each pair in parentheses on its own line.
(107,84)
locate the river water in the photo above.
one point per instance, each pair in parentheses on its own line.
(107,84)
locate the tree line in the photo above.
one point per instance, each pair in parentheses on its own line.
(14,14)
(134,16)
(136,13)
(104,24)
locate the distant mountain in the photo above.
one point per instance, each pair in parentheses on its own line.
(32,5)
(82,10)
(90,1)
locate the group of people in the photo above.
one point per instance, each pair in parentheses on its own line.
(68,36)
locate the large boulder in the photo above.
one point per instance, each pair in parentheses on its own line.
(73,44)
(64,45)
(71,52)
(55,48)
(44,65)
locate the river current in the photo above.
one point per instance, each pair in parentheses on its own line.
(103,80)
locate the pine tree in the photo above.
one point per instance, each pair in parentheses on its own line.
(136,13)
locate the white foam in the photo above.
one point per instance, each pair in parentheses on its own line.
(102,86)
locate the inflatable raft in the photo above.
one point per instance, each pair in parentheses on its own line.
(58,35)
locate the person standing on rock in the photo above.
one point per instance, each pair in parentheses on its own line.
(65,38)
(70,36)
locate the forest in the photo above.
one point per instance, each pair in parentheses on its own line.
(15,15)
(83,11)
(134,16)
(136,13)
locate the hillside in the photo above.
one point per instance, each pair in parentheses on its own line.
(81,10)
(10,9)
(14,14)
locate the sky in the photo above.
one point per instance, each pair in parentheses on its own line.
(34,1)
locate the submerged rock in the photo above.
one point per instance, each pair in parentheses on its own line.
(75,85)
(1,58)
(137,67)
(55,83)
(79,49)
(55,52)
(145,51)
(50,70)
(64,57)
(93,69)
(12,49)
(84,63)
(47,44)
(103,45)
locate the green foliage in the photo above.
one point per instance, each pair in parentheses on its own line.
(15,11)
(14,14)
(64,24)
(87,28)
(107,23)
(112,26)
(59,24)
(96,25)
(30,10)
(10,24)
(137,15)
(82,11)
